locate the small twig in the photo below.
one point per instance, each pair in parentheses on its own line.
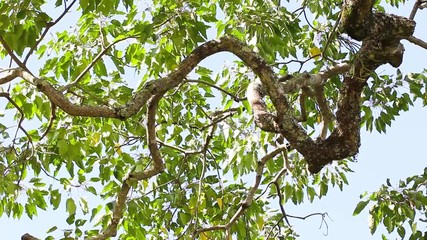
(308,22)
(91,64)
(309,215)
(209,137)
(300,9)
(282,208)
(51,119)
(334,29)
(21,119)
(202,175)
(91,95)
(13,56)
(324,215)
(234,97)
(159,186)
(301,62)
(47,28)
(56,179)
(178,148)
(250,196)
(199,194)
(221,112)
(218,120)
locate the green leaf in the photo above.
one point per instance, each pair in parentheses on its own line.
(62,146)
(372,224)
(58,3)
(52,229)
(359,207)
(311,193)
(30,210)
(70,206)
(401,231)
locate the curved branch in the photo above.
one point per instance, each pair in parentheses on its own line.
(263,119)
(119,208)
(155,169)
(10,75)
(158,165)
(151,133)
(153,87)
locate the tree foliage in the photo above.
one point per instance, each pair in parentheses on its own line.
(111,112)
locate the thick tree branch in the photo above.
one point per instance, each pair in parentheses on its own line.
(263,119)
(377,49)
(28,237)
(158,165)
(155,169)
(151,88)
(296,83)
(343,142)
(10,75)
(119,208)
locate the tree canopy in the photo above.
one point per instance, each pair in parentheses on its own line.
(123,112)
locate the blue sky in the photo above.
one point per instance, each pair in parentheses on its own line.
(395,155)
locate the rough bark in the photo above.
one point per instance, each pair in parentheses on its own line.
(28,237)
(380,34)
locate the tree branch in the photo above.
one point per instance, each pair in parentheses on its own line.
(10,75)
(263,119)
(234,97)
(13,56)
(158,165)
(310,80)
(21,119)
(417,41)
(28,237)
(119,208)
(415,8)
(155,169)
(91,64)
